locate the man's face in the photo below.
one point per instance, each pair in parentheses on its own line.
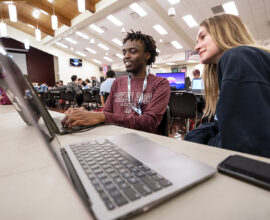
(135,58)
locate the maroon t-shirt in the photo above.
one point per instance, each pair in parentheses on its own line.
(155,100)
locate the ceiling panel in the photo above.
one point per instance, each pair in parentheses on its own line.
(255,13)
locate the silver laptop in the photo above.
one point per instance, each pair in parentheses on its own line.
(116,176)
(197,86)
(49,124)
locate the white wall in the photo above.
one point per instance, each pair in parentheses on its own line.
(65,71)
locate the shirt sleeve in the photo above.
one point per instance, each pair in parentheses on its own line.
(243,106)
(152,115)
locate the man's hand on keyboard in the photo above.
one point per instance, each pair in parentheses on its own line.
(77,117)
(70,110)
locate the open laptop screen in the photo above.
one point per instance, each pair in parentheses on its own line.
(13,83)
(197,84)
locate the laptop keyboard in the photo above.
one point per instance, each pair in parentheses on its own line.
(118,177)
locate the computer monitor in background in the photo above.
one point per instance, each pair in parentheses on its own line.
(197,84)
(176,80)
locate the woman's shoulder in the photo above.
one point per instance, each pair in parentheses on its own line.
(245,51)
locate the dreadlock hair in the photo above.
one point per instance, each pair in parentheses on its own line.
(148,41)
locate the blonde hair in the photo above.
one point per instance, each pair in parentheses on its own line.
(227,31)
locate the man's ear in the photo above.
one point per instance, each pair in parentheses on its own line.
(147,56)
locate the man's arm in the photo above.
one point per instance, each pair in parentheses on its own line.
(76,117)
(102,100)
(152,115)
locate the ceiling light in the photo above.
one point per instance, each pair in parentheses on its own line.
(81,5)
(160,29)
(44,12)
(108,59)
(176,44)
(36,14)
(92,41)
(54,22)
(119,55)
(230,8)
(170,64)
(50,1)
(118,42)
(3,29)
(190,21)
(82,35)
(114,20)
(160,40)
(103,46)
(26,44)
(97,61)
(38,34)
(91,50)
(173,2)
(96,28)
(61,45)
(70,40)
(3,51)
(135,7)
(80,53)
(12,13)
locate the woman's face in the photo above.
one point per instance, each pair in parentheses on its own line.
(206,47)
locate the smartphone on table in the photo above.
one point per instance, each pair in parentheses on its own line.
(249,170)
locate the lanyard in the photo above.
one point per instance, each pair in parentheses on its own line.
(138,110)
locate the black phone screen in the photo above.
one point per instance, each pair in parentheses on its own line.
(245,167)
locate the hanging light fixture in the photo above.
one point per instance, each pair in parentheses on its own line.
(54,20)
(3,26)
(26,44)
(3,29)
(38,34)
(12,12)
(81,5)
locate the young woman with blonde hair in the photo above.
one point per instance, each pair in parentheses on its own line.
(237,87)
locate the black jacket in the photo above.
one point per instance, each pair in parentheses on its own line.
(243,108)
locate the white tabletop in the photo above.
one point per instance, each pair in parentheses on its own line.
(32,186)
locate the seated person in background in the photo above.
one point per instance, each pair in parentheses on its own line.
(73,87)
(80,83)
(95,82)
(43,87)
(136,101)
(105,87)
(187,83)
(196,74)
(4,100)
(87,84)
(237,87)
(61,85)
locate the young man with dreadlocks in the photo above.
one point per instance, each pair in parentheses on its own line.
(136,101)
